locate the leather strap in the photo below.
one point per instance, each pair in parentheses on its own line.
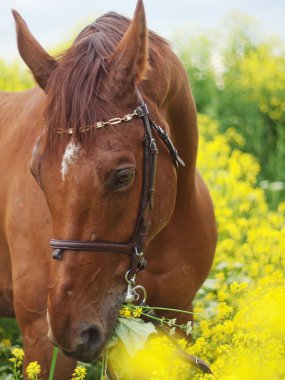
(169,144)
(86,245)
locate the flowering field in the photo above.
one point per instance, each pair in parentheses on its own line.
(245,294)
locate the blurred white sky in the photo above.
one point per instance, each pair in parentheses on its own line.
(51,21)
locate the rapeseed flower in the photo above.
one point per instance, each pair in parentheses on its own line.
(33,370)
(17,356)
(131,311)
(125,312)
(79,373)
(6,343)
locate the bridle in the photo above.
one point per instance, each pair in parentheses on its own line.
(135,247)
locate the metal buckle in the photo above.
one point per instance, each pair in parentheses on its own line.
(130,280)
(132,295)
(136,294)
(142,110)
(139,254)
(153,147)
(57,254)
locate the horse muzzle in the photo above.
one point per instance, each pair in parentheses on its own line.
(88,345)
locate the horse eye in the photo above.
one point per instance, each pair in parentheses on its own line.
(121,179)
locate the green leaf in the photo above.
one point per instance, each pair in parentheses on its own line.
(111,342)
(133,332)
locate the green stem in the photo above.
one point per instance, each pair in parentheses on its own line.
(163,322)
(102,366)
(169,309)
(15,372)
(53,363)
(106,362)
(151,316)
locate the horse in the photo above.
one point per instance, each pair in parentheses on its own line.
(82,162)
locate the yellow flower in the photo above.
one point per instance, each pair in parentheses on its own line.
(128,312)
(33,370)
(6,342)
(125,312)
(238,287)
(18,356)
(224,310)
(222,296)
(79,373)
(18,353)
(137,312)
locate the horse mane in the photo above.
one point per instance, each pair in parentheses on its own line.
(74,99)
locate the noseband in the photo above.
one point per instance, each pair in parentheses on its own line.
(134,248)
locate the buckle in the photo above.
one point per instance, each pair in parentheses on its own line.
(153,147)
(142,110)
(57,254)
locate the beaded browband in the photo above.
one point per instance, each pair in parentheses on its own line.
(100,124)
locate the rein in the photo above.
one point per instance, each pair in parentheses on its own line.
(134,248)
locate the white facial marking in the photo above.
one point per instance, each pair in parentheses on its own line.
(50,334)
(71,153)
(35,148)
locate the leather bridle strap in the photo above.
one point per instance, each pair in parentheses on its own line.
(135,246)
(150,150)
(80,245)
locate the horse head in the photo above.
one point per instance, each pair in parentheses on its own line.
(90,167)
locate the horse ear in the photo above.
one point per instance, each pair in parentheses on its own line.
(130,59)
(36,58)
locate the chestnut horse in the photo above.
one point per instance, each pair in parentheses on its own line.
(87,185)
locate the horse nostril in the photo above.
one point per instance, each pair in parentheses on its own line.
(92,338)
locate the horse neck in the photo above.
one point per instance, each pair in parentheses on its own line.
(168,87)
